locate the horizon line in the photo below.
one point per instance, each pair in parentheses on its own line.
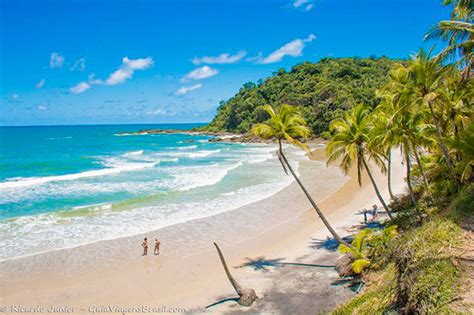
(106,124)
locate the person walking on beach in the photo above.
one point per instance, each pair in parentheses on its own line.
(375,212)
(365,215)
(145,246)
(157,246)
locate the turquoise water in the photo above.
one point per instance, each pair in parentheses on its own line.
(65,186)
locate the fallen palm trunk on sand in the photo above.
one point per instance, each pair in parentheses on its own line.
(246,295)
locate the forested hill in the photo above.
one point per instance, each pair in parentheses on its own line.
(323,90)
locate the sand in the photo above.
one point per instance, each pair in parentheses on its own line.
(187,275)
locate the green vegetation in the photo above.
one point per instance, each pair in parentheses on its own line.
(323,91)
(351,144)
(426,111)
(417,275)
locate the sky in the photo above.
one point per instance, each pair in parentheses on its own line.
(135,61)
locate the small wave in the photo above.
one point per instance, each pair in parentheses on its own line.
(130,134)
(188,147)
(104,205)
(260,159)
(203,153)
(196,180)
(59,138)
(30,181)
(133,153)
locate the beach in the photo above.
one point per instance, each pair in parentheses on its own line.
(188,274)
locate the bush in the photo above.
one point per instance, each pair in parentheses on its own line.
(462,207)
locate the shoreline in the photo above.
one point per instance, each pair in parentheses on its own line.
(218,136)
(65,282)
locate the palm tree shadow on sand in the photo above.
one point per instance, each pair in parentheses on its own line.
(263,264)
(329,243)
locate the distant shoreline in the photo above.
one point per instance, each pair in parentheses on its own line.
(218,136)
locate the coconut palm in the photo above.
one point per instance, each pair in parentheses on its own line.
(464,144)
(380,121)
(458,33)
(456,104)
(351,144)
(425,77)
(287,124)
(246,295)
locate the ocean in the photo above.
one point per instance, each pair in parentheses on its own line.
(66,186)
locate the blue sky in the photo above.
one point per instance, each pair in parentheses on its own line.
(102,62)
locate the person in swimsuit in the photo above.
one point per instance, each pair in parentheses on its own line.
(157,246)
(365,215)
(375,212)
(145,246)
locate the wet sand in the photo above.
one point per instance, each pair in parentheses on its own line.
(188,273)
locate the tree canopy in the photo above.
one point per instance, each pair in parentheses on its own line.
(323,91)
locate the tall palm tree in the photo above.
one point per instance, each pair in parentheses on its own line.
(380,121)
(458,33)
(425,78)
(351,144)
(408,132)
(287,124)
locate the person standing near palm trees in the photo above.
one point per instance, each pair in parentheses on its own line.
(375,212)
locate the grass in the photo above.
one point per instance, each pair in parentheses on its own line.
(377,298)
(419,276)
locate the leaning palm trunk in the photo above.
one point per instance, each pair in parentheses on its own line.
(410,187)
(313,203)
(389,174)
(420,166)
(444,149)
(377,192)
(246,296)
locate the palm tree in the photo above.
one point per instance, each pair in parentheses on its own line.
(458,33)
(465,146)
(425,79)
(351,144)
(381,120)
(456,103)
(246,295)
(287,124)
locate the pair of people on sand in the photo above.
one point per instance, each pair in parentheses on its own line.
(145,246)
(374,212)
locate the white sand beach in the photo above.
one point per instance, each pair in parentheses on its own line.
(188,274)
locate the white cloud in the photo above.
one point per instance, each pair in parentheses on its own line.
(127,69)
(125,72)
(79,65)
(14,96)
(186,89)
(224,58)
(42,107)
(299,3)
(293,48)
(305,5)
(200,73)
(160,112)
(80,88)
(40,83)
(56,60)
